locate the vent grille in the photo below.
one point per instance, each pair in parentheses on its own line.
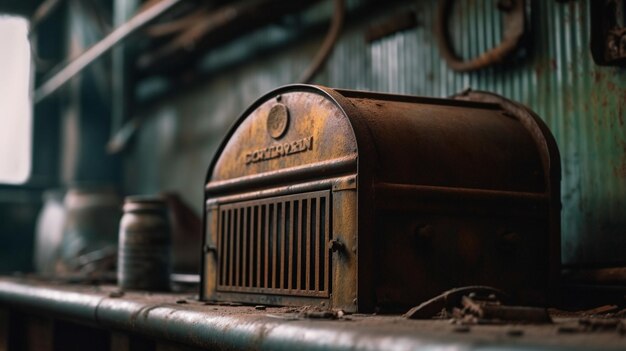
(276,245)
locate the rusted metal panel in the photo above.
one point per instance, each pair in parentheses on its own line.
(319,145)
(420,162)
(582,103)
(297,244)
(323,136)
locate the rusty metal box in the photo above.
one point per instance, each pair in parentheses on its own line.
(363,201)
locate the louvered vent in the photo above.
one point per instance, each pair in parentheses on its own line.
(276,245)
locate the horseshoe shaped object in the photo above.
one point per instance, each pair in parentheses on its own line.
(514,28)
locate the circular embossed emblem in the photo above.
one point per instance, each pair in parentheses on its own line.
(277,121)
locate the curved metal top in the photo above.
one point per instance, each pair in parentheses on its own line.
(292,126)
(395,138)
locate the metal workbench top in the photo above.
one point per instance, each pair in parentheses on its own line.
(180,318)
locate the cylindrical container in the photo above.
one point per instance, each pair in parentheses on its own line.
(92,216)
(144,245)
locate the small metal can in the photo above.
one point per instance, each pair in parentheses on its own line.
(145,242)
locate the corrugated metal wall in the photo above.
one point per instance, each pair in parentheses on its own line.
(584,105)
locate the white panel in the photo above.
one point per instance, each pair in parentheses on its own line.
(15,103)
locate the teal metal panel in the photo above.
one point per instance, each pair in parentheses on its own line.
(584,104)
